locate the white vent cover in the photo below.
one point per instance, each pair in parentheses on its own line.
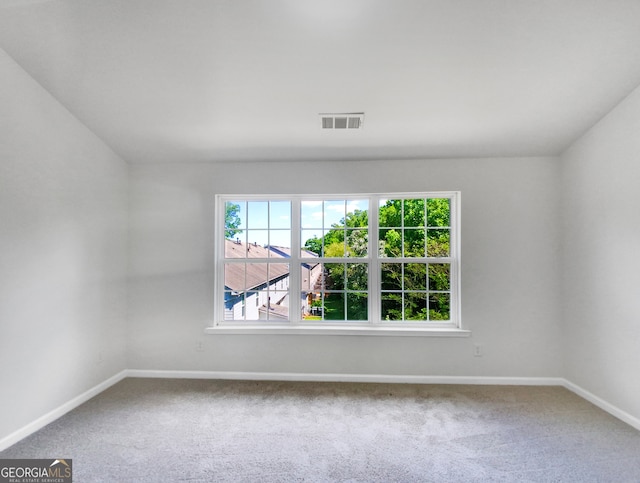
(344,120)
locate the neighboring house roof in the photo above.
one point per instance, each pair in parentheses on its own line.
(255,276)
(275,311)
(286,252)
(235,249)
(238,279)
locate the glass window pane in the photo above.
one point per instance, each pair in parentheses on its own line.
(357,216)
(270,284)
(357,276)
(280,214)
(439,276)
(357,242)
(312,283)
(334,213)
(235,219)
(278,276)
(415,306)
(311,243)
(438,241)
(415,276)
(413,243)
(253,303)
(439,212)
(311,276)
(235,249)
(390,213)
(357,213)
(390,243)
(321,280)
(256,242)
(232,305)
(256,276)
(439,306)
(414,212)
(265,303)
(391,276)
(311,214)
(257,214)
(334,306)
(234,277)
(281,239)
(357,306)
(278,305)
(391,306)
(312,306)
(333,242)
(335,275)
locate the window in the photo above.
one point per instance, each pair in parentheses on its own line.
(338,261)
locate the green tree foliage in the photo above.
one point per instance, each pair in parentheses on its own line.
(314,245)
(232,220)
(410,228)
(346,238)
(405,223)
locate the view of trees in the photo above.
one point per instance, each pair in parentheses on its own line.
(232,220)
(410,228)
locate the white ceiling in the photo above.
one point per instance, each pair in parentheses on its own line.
(206,80)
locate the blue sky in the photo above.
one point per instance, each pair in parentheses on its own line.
(316,217)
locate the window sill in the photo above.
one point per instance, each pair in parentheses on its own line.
(337,330)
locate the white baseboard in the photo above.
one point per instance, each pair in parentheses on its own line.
(602,404)
(51,416)
(318,377)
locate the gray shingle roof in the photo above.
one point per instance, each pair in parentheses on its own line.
(241,277)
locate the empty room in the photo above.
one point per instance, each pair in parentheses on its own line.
(295,240)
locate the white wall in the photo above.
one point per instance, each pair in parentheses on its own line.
(601,227)
(63,241)
(510,253)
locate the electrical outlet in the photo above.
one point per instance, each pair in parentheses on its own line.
(100,358)
(199,346)
(477,350)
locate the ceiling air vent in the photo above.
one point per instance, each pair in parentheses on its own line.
(344,120)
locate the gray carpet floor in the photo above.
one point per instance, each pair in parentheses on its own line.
(170,430)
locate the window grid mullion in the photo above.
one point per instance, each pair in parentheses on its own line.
(373,286)
(295,266)
(219,237)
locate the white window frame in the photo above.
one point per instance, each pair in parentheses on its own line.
(373,326)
